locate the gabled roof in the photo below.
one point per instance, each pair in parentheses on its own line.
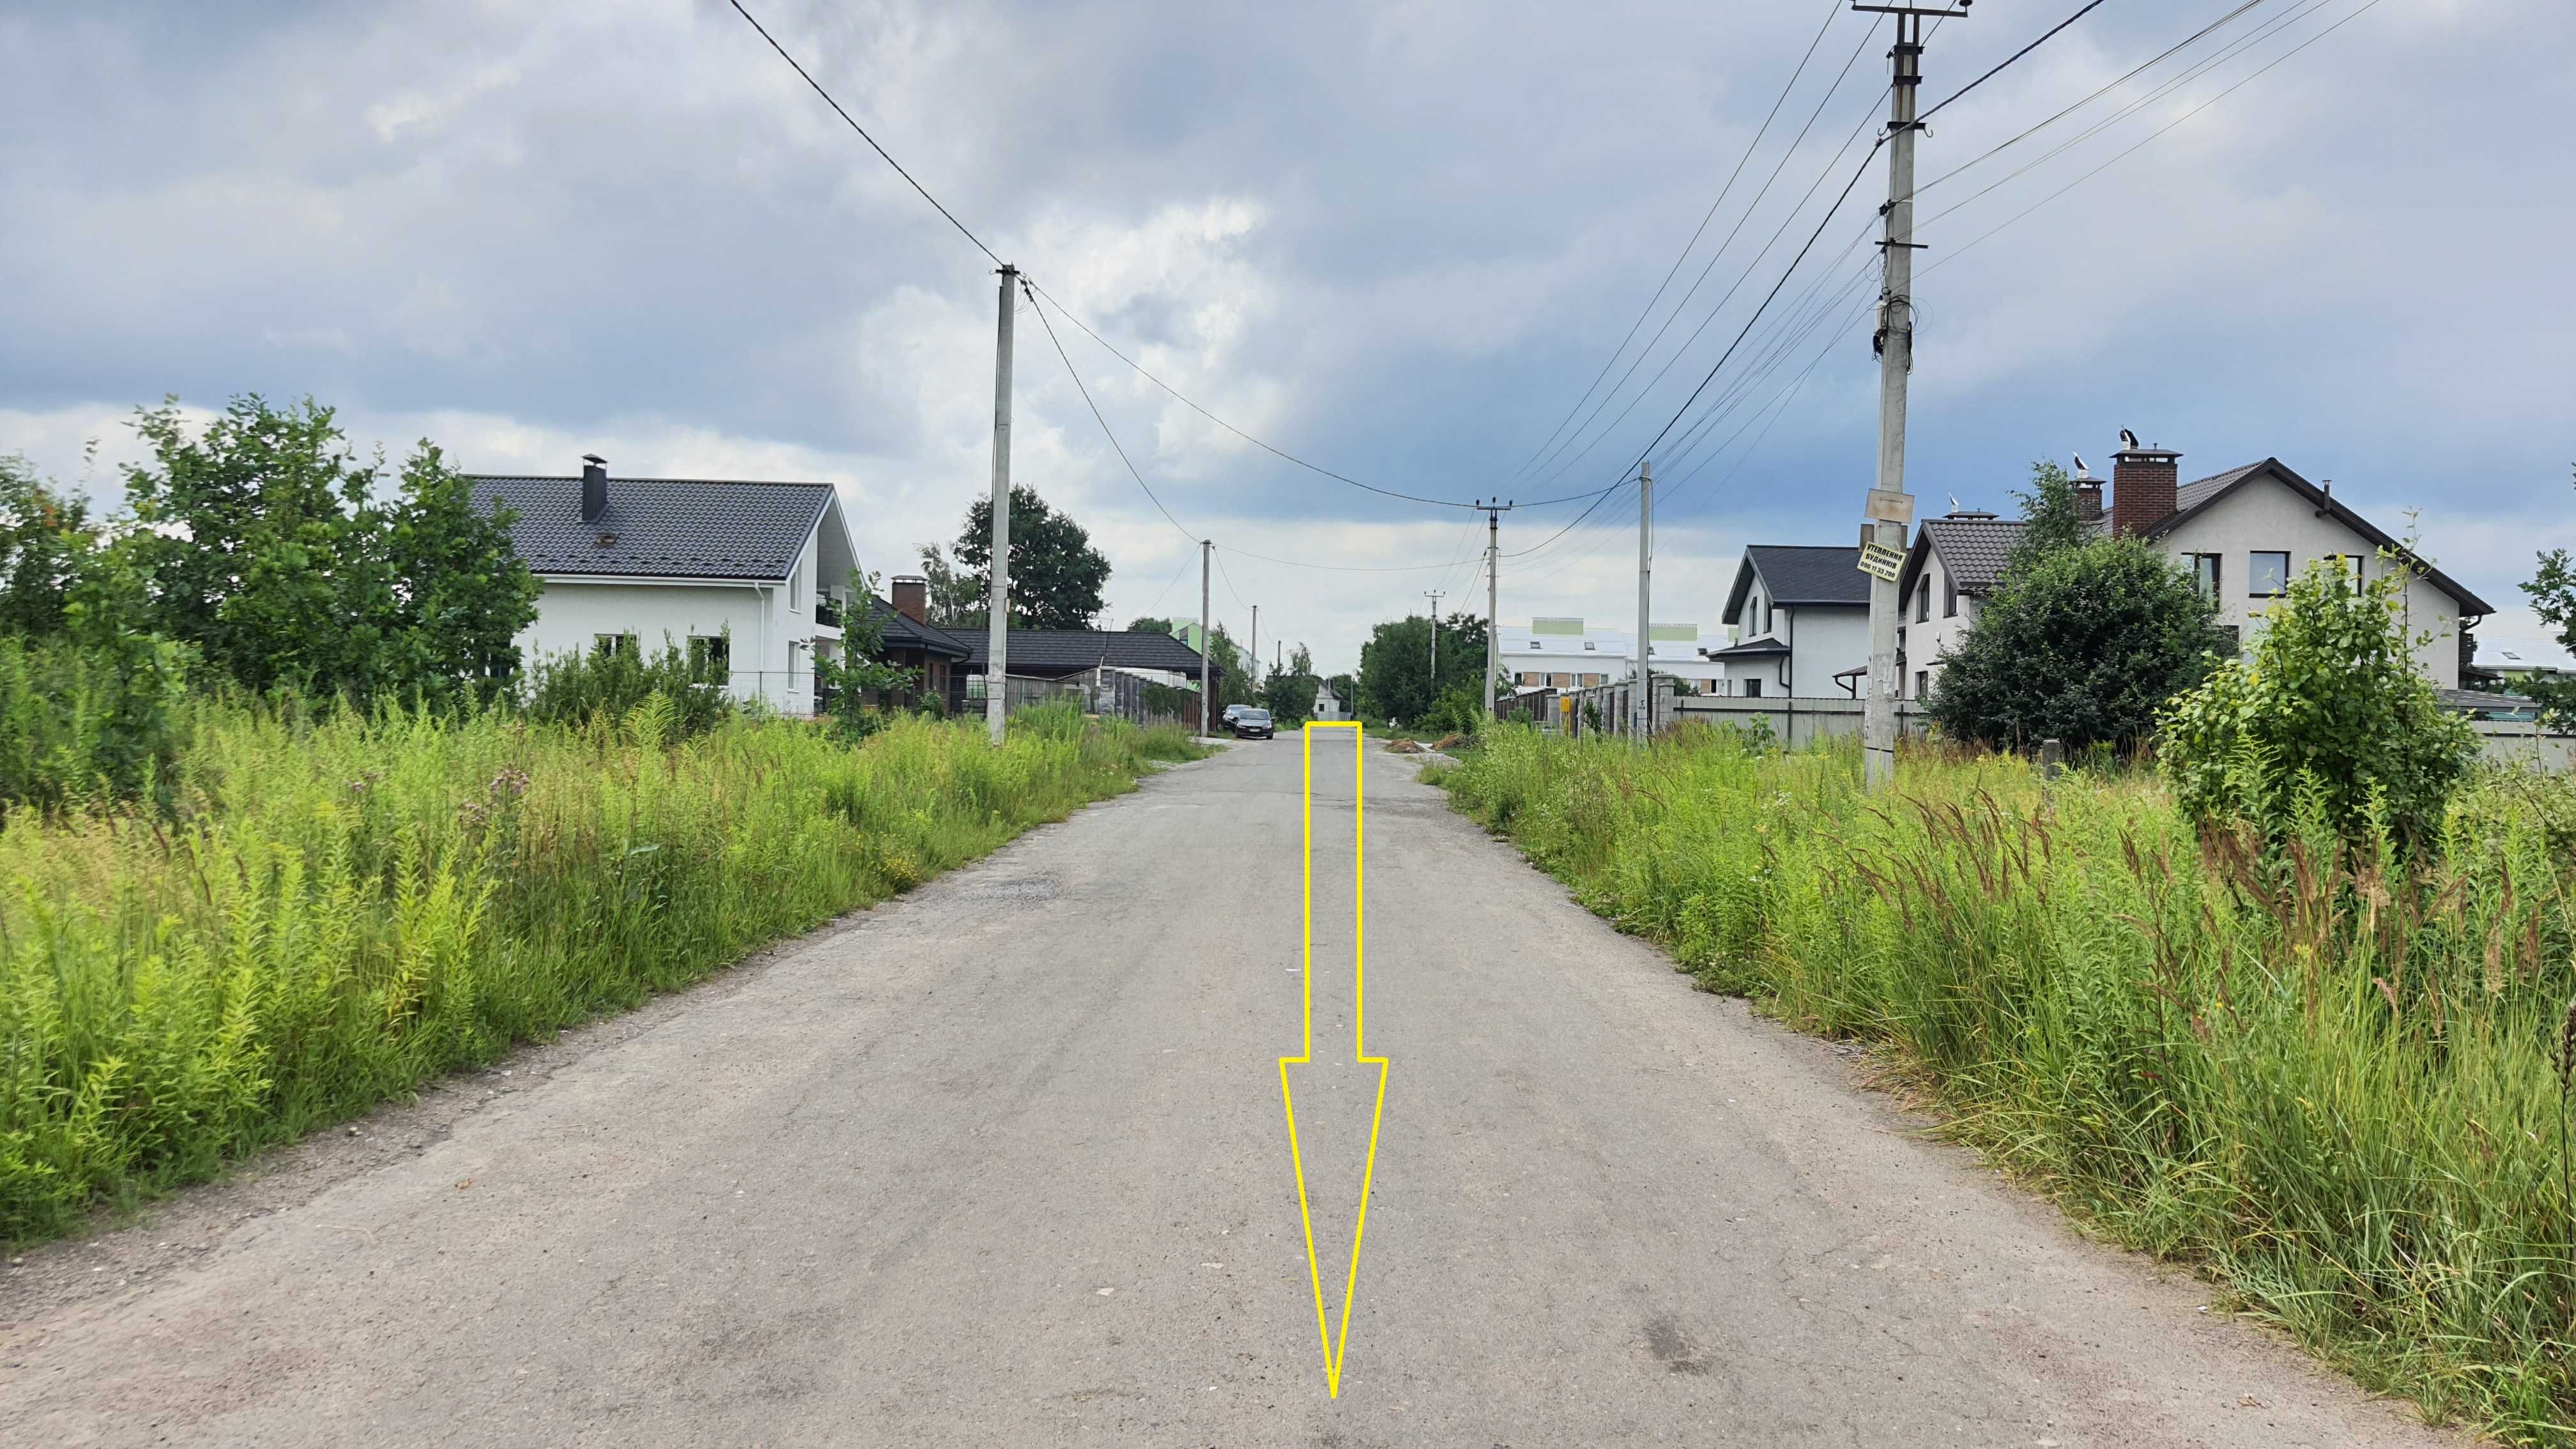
(1799,574)
(2195,498)
(1053,653)
(672,528)
(1973,550)
(903,632)
(1757,649)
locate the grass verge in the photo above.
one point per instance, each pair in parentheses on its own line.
(338,911)
(2339,1085)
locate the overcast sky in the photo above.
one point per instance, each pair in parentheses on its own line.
(1395,239)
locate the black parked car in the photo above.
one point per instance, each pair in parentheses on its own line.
(1250,724)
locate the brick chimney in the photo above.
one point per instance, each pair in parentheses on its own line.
(594,487)
(2088,491)
(911,595)
(2142,486)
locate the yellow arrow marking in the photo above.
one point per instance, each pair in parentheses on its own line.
(1336,1346)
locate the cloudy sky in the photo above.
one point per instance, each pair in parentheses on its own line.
(1397,240)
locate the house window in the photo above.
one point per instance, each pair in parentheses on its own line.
(614,644)
(1588,644)
(2349,565)
(2204,574)
(2268,575)
(711,651)
(1531,676)
(1753,689)
(1922,683)
(1949,595)
(1923,601)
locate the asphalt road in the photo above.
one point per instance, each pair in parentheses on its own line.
(1004,1163)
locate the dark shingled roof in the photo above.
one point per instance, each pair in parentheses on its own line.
(1974,550)
(1799,574)
(902,632)
(1758,649)
(1054,653)
(673,528)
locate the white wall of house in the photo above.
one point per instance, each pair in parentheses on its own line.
(1576,655)
(1932,625)
(772,625)
(2267,516)
(1823,640)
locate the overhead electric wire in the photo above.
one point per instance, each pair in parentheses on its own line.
(863,131)
(1833,11)
(2164,88)
(2104,89)
(1697,282)
(2365,9)
(2008,60)
(1114,445)
(1069,314)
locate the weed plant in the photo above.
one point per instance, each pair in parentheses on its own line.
(338,908)
(2337,1079)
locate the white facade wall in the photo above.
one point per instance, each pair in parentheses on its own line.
(1610,654)
(1823,640)
(1928,641)
(773,632)
(2265,515)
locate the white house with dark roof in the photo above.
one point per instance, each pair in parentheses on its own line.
(754,573)
(1801,617)
(2243,534)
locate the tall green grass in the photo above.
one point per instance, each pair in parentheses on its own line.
(338,910)
(2338,1084)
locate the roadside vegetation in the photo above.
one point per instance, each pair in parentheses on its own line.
(333,909)
(287,827)
(2289,1000)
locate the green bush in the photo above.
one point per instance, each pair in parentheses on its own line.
(2325,715)
(82,725)
(2331,1087)
(2082,644)
(608,683)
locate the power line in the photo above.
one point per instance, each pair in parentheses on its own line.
(2159,131)
(863,131)
(1833,10)
(1070,371)
(2008,60)
(1720,305)
(2105,89)
(1069,314)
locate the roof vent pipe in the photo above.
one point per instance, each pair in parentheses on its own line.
(594,487)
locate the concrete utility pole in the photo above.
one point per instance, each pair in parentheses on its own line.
(997,646)
(1493,598)
(1641,705)
(1252,655)
(1207,641)
(1890,508)
(1434,596)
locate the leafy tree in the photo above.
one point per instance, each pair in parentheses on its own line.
(45,540)
(861,680)
(1289,694)
(2052,519)
(2326,714)
(2553,598)
(1149,626)
(2083,643)
(955,598)
(1056,575)
(1395,680)
(265,544)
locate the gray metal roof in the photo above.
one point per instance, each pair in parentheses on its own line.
(901,631)
(1800,574)
(683,528)
(1054,653)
